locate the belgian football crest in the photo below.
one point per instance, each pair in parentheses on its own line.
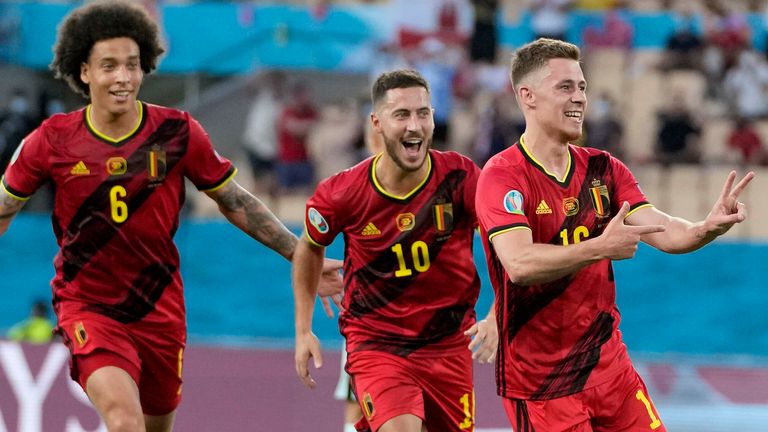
(156,164)
(600,198)
(443,216)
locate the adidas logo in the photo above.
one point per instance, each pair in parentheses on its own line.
(543,208)
(80,169)
(370,230)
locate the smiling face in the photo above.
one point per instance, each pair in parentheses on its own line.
(556,99)
(405,121)
(113,74)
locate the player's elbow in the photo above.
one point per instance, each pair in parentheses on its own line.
(518,274)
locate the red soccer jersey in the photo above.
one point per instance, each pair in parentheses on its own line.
(410,281)
(559,337)
(117,209)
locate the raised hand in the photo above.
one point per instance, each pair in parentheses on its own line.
(727,209)
(619,241)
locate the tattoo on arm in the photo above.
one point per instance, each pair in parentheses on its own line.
(9,206)
(251,215)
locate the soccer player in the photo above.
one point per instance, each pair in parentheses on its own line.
(553,216)
(408,220)
(118,167)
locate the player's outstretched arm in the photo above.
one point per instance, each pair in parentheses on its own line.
(682,236)
(9,207)
(248,213)
(305,275)
(529,263)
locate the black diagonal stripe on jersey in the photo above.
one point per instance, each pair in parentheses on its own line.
(92,227)
(435,330)
(570,375)
(527,301)
(140,300)
(377,275)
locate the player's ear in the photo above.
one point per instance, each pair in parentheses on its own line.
(525,96)
(84,72)
(375,121)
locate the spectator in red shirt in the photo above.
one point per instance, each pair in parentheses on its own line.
(745,143)
(294,169)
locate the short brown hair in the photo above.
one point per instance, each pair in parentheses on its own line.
(401,78)
(98,21)
(535,55)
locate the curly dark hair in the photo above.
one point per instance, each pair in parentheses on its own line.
(98,21)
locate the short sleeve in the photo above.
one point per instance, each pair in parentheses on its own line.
(204,167)
(626,188)
(500,201)
(29,166)
(320,217)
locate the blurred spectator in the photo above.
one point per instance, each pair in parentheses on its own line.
(294,169)
(484,40)
(746,86)
(500,124)
(726,34)
(15,124)
(436,63)
(616,31)
(334,139)
(37,329)
(48,103)
(678,134)
(604,129)
(260,132)
(549,18)
(684,47)
(745,145)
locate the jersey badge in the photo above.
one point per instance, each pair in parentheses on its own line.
(543,208)
(117,165)
(513,202)
(601,201)
(570,206)
(405,221)
(80,169)
(370,230)
(443,216)
(156,164)
(80,334)
(317,220)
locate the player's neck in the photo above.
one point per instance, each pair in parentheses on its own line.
(114,125)
(396,181)
(552,154)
